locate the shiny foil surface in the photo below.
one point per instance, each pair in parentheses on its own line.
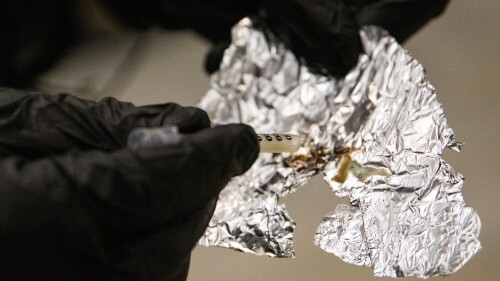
(377,135)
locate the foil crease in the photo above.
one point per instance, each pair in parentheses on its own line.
(377,135)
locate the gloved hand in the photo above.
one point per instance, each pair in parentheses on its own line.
(76,204)
(325,33)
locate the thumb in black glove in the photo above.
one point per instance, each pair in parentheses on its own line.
(185,179)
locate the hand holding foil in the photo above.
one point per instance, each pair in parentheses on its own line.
(325,34)
(380,127)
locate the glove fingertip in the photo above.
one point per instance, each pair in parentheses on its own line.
(188,119)
(233,147)
(214,57)
(246,146)
(198,120)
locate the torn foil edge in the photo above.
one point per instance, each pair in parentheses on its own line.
(410,220)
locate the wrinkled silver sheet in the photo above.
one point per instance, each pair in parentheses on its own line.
(377,135)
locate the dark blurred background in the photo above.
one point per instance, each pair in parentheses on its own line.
(460,51)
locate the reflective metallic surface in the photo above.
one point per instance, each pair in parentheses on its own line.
(142,137)
(377,135)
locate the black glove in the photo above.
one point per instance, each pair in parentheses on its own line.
(35,34)
(326,32)
(76,204)
(401,18)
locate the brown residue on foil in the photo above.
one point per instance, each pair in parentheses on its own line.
(309,157)
(344,164)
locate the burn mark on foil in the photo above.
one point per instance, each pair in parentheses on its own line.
(309,157)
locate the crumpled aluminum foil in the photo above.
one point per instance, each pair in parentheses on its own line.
(377,135)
